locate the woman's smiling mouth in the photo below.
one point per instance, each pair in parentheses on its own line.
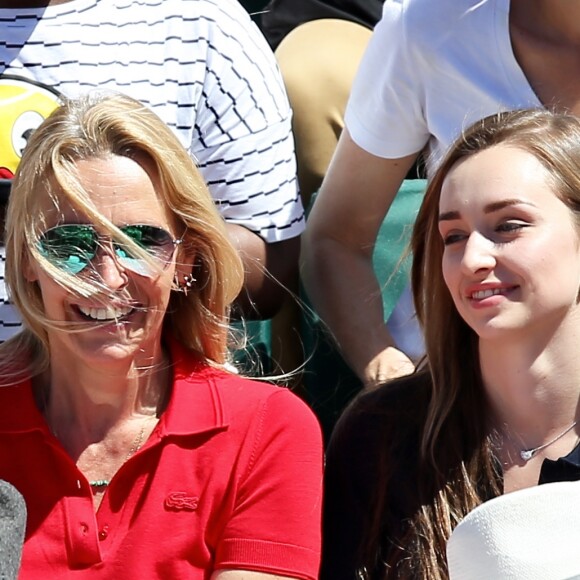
(105,313)
(481,294)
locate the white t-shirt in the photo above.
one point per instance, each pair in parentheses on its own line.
(431,69)
(201,65)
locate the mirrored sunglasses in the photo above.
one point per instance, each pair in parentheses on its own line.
(71,247)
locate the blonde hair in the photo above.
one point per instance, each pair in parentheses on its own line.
(97,127)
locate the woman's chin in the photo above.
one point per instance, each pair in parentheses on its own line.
(104,345)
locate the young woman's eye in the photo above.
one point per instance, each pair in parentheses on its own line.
(507,227)
(452,238)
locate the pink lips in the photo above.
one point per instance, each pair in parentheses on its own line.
(485,295)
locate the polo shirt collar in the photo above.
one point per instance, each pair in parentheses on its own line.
(195,405)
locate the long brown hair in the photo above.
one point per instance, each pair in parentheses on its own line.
(455,469)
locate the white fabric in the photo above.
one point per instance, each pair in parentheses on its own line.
(532,534)
(431,69)
(201,65)
(404,327)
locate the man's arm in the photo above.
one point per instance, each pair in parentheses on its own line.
(244,147)
(270,268)
(337,251)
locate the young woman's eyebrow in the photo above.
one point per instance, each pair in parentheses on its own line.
(498,205)
(489,208)
(449,215)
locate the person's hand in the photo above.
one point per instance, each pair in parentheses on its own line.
(388,364)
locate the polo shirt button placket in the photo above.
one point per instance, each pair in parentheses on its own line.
(104,533)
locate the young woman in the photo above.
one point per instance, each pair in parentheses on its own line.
(496,277)
(138,455)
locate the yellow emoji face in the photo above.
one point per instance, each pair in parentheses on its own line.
(24,105)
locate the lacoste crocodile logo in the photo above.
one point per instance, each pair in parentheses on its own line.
(180,500)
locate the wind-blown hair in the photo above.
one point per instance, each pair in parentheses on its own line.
(456,470)
(99,127)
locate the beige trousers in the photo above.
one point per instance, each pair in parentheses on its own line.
(318,60)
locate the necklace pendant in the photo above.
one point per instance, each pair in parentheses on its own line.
(99,483)
(527,454)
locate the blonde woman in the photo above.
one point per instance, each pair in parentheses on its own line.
(496,279)
(138,455)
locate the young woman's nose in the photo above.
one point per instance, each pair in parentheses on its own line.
(478,253)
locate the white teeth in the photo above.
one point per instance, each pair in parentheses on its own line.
(481,294)
(108,313)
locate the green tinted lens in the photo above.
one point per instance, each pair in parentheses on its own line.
(157,242)
(70,247)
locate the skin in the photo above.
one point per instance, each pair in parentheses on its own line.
(269,268)
(505,228)
(337,267)
(545,37)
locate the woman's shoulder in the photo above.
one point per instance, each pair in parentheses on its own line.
(388,418)
(402,401)
(246,398)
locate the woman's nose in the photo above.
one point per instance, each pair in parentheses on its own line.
(478,253)
(109,270)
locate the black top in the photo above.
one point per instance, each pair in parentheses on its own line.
(354,463)
(281,16)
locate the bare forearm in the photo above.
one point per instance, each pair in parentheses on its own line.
(270,270)
(337,253)
(345,292)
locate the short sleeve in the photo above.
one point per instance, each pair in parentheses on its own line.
(275,525)
(243,135)
(385,113)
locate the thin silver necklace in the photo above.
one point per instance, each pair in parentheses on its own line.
(527,454)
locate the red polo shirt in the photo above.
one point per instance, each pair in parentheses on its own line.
(229,479)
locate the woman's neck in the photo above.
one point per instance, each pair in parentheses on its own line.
(80,398)
(533,390)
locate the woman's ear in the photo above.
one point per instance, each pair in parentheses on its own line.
(185,268)
(29,270)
